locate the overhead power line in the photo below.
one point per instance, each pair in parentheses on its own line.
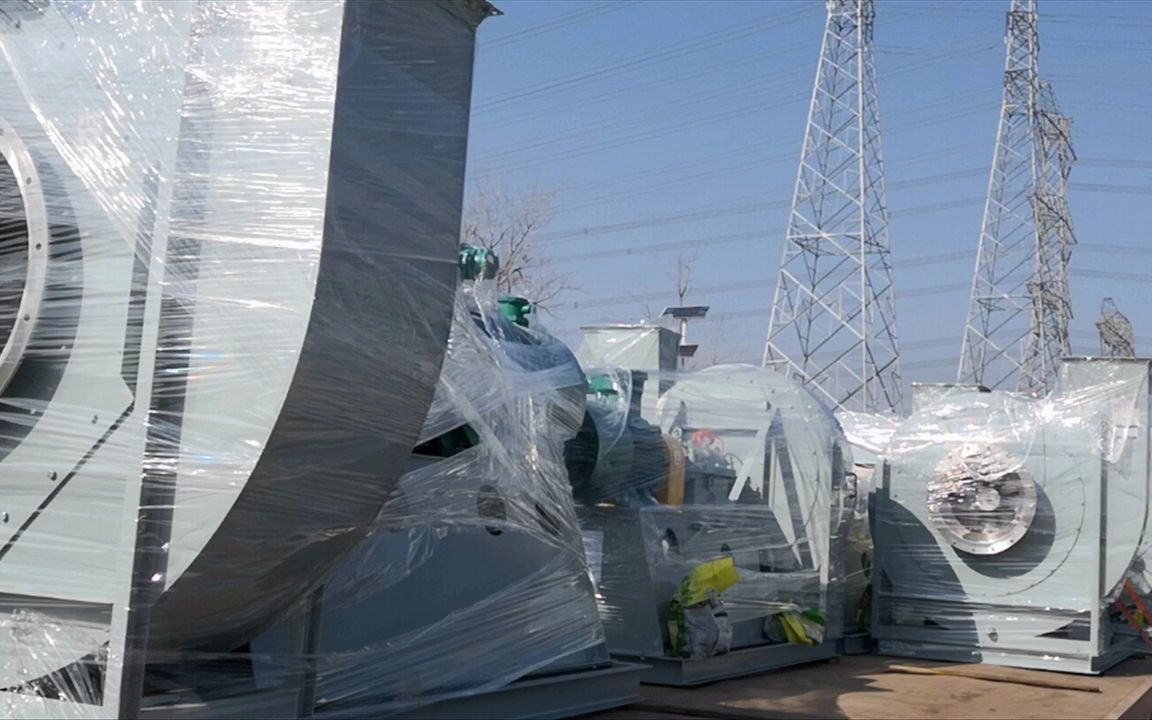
(689,45)
(588,13)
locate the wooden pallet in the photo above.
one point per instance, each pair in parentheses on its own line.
(867,688)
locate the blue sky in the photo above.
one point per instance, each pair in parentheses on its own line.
(678,125)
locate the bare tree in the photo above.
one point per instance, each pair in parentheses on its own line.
(508,225)
(684,268)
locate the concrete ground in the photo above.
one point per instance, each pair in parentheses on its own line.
(862,688)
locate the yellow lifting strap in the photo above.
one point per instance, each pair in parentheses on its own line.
(706,580)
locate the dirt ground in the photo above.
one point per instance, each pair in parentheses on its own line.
(863,688)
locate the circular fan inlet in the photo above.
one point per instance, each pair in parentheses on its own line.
(981,500)
(23,251)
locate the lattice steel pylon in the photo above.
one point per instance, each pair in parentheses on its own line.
(1018,315)
(833,322)
(1116,338)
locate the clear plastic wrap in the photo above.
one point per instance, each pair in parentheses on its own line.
(1007,526)
(229,233)
(719,509)
(868,434)
(474,574)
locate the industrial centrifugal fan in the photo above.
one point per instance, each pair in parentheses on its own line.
(471,597)
(1006,527)
(717,524)
(229,258)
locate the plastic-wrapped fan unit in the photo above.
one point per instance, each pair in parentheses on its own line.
(229,236)
(474,576)
(746,501)
(1006,525)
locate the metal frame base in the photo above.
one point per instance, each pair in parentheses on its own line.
(554,696)
(549,697)
(686,672)
(257,704)
(855,644)
(1077,664)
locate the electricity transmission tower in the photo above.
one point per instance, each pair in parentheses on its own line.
(1116,339)
(833,323)
(1018,316)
